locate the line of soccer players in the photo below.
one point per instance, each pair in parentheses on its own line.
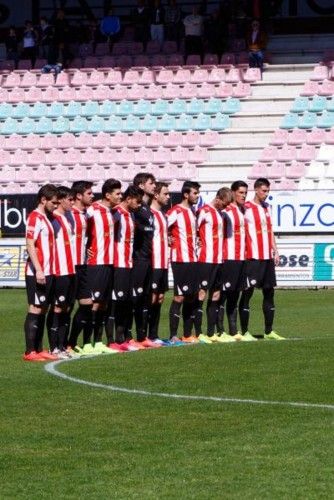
(112,255)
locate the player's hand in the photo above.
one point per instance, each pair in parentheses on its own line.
(40,278)
(276,258)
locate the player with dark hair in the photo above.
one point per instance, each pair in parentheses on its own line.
(142,257)
(40,240)
(160,259)
(122,290)
(210,258)
(100,259)
(182,226)
(82,319)
(262,256)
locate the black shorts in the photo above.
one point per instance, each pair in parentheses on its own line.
(159,280)
(122,285)
(82,290)
(186,280)
(210,276)
(64,290)
(99,280)
(39,295)
(232,275)
(142,278)
(260,273)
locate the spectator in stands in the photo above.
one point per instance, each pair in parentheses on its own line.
(29,43)
(12,46)
(157,19)
(45,37)
(216,33)
(256,41)
(193,25)
(62,36)
(172,21)
(141,21)
(110,26)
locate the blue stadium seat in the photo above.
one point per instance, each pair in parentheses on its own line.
(160,107)
(148,124)
(21,110)
(202,122)
(57,109)
(90,108)
(79,124)
(220,122)
(125,108)
(307,120)
(26,126)
(43,125)
(107,108)
(113,124)
(142,108)
(95,125)
(318,104)
(330,104)
(9,126)
(326,120)
(231,106)
(195,106)
(38,109)
(166,123)
(213,106)
(184,122)
(300,105)
(177,107)
(61,125)
(5,110)
(289,121)
(131,124)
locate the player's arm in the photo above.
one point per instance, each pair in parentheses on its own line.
(31,250)
(275,249)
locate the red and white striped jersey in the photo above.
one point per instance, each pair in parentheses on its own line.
(80,227)
(40,230)
(182,226)
(123,239)
(160,251)
(100,235)
(234,247)
(259,235)
(210,233)
(64,262)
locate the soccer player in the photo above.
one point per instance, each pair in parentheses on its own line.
(82,319)
(234,257)
(142,257)
(210,258)
(160,259)
(122,290)
(64,281)
(262,257)
(39,271)
(100,242)
(182,226)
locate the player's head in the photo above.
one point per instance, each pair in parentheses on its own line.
(146,182)
(223,198)
(112,192)
(190,192)
(133,197)
(65,197)
(239,192)
(161,193)
(82,192)
(261,188)
(47,197)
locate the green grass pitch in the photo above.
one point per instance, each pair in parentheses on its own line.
(61,440)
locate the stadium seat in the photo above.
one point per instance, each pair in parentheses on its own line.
(130,77)
(258,170)
(316,136)
(137,140)
(101,140)
(329,138)
(325,120)
(5,110)
(38,109)
(148,124)
(95,125)
(119,140)
(90,108)
(67,140)
(5,157)
(57,109)
(162,155)
(326,153)
(319,73)
(136,92)
(160,107)
(164,76)
(213,106)
(33,94)
(78,124)
(326,88)
(193,60)
(297,136)
(125,156)
(171,91)
(113,124)
(197,155)
(188,91)
(269,154)
(131,123)
(125,108)
(209,138)
(20,111)
(231,106)
(40,62)
(279,137)
(66,94)
(42,173)
(45,80)
(202,122)
(156,139)
(96,78)
(191,138)
(195,106)
(252,75)
(7,174)
(84,93)
(82,140)
(79,78)
(179,155)
(305,184)
(217,75)
(184,122)
(3,95)
(107,108)
(88,156)
(119,92)
(211,59)
(228,58)
(224,90)
(315,170)
(36,157)
(59,173)
(107,156)
(43,125)
(26,126)
(28,79)
(9,126)
(47,142)
(61,125)
(142,108)
(200,75)
(329,172)
(205,91)
(12,80)
(175,60)
(318,104)
(286,153)
(220,122)
(290,121)
(325,183)
(166,123)
(146,77)
(53,157)
(285,185)
(300,105)
(276,170)
(241,90)
(295,171)
(233,75)
(309,89)
(182,76)
(14,141)
(16,95)
(153,92)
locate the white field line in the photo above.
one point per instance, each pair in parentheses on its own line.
(51,368)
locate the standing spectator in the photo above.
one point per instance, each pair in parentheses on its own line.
(216,33)
(157,22)
(29,41)
(12,46)
(256,41)
(193,24)
(61,36)
(45,37)
(172,21)
(140,19)
(110,26)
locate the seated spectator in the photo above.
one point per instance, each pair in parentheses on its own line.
(256,41)
(12,46)
(29,43)
(45,37)
(172,21)
(140,17)
(193,25)
(157,22)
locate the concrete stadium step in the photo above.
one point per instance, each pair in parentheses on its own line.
(256,120)
(240,137)
(303,42)
(216,175)
(261,105)
(284,72)
(284,88)
(229,154)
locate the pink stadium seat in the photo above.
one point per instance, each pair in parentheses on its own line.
(165,172)
(319,73)
(101,140)
(330,136)
(258,170)
(175,60)
(243,58)
(42,173)
(119,92)
(45,80)
(306,153)
(197,155)
(217,75)
(91,62)
(107,62)
(326,88)
(62,79)
(162,155)
(188,91)
(103,92)
(286,153)
(66,140)
(50,94)
(295,171)
(95,172)
(182,75)
(169,47)
(276,170)
(242,90)
(59,173)
(193,60)
(77,173)
(130,77)
(141,60)
(137,140)
(175,185)
(7,174)
(16,95)
(3,95)
(76,63)
(88,156)
(12,80)
(173,139)
(279,137)
(144,156)
(165,76)
(316,136)
(13,188)
(85,49)
(224,90)
(211,59)
(84,93)
(30,187)
(40,63)
(19,157)
(136,92)
(228,58)
(36,157)
(135,48)
(152,47)
(205,91)
(269,154)
(309,89)
(83,140)
(171,91)
(119,49)
(48,141)
(296,136)
(153,92)
(95,78)
(209,138)
(107,156)
(238,44)
(102,49)
(14,141)
(33,94)
(124,61)
(126,155)
(191,138)
(158,61)
(233,76)
(5,157)
(252,75)
(113,77)
(53,157)
(28,79)
(24,174)
(179,155)
(119,140)
(146,77)
(155,139)
(72,156)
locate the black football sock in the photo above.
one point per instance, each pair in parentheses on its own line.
(232,311)
(98,323)
(174,317)
(221,313)
(198,312)
(129,320)
(121,320)
(244,309)
(187,311)
(154,319)
(52,322)
(82,320)
(141,317)
(30,331)
(40,333)
(212,309)
(268,308)
(62,330)
(110,322)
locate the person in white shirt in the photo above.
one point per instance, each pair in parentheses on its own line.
(193,26)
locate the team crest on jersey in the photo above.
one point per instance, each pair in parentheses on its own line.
(139,290)
(97,294)
(42,298)
(154,286)
(120,294)
(61,298)
(204,283)
(185,288)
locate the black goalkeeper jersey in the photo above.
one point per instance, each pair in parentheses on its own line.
(144,229)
